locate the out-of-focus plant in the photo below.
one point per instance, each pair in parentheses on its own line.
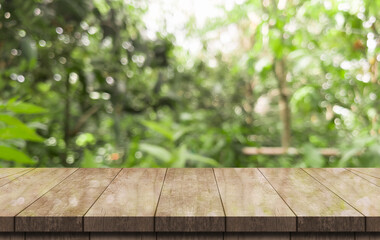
(14,134)
(303,74)
(172,151)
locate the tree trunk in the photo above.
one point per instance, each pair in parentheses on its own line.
(280,73)
(66,120)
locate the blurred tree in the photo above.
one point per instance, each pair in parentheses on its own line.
(268,73)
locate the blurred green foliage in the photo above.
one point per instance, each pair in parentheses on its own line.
(82,85)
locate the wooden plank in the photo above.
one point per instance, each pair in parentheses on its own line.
(63,207)
(360,193)
(129,203)
(12,236)
(367,236)
(9,174)
(20,193)
(122,236)
(190,202)
(370,174)
(57,236)
(323,236)
(374,172)
(190,236)
(250,202)
(5,172)
(316,207)
(256,236)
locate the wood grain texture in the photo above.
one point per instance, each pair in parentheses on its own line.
(5,172)
(190,236)
(57,236)
(256,236)
(250,202)
(9,174)
(367,236)
(370,174)
(129,203)
(12,236)
(122,236)
(190,202)
(20,193)
(355,190)
(323,236)
(316,207)
(63,207)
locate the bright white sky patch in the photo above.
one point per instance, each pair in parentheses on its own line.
(171,16)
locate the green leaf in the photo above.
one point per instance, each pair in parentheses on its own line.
(20,133)
(17,130)
(160,129)
(348,155)
(102,6)
(89,160)
(14,155)
(156,151)
(179,159)
(312,156)
(202,159)
(24,108)
(11,121)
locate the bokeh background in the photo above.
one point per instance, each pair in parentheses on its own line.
(193,83)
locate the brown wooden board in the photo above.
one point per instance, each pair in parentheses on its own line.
(370,174)
(12,236)
(360,193)
(5,172)
(63,207)
(256,236)
(9,174)
(190,236)
(374,172)
(190,202)
(367,236)
(316,207)
(57,236)
(122,236)
(250,202)
(20,193)
(129,203)
(323,236)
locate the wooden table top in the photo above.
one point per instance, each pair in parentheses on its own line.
(189,200)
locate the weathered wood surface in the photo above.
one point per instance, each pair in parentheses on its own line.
(128,204)
(20,193)
(63,207)
(317,208)
(355,190)
(125,203)
(12,236)
(256,236)
(9,174)
(190,202)
(122,236)
(322,236)
(189,236)
(250,202)
(367,236)
(57,236)
(370,174)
